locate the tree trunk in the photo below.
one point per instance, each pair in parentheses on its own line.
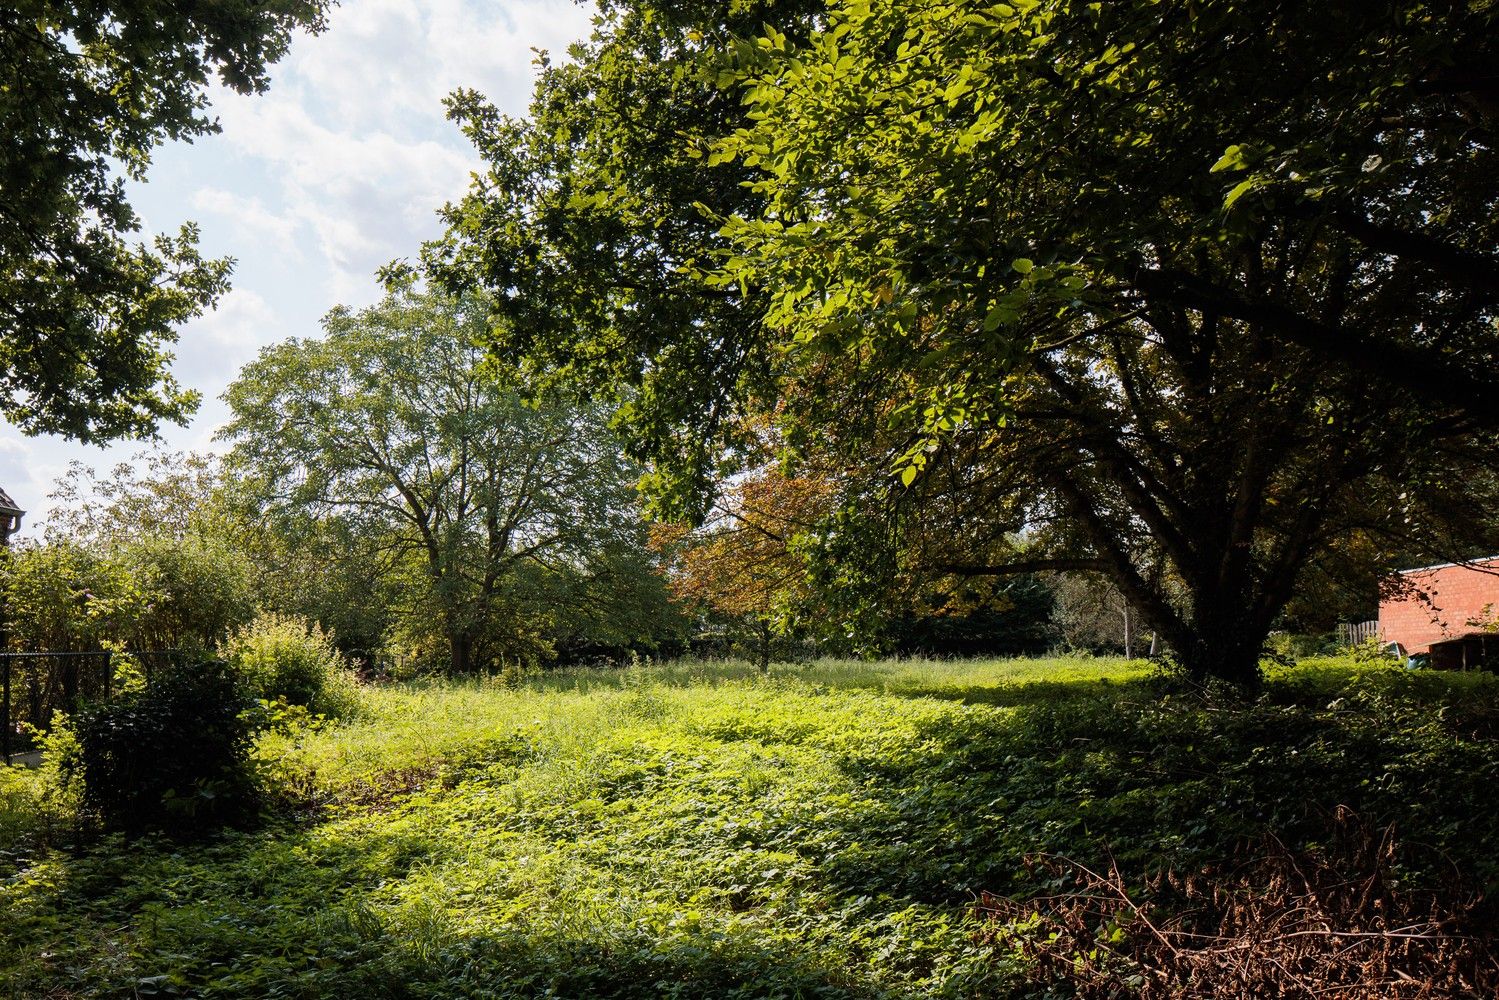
(461,655)
(1224,643)
(1129,634)
(1237,663)
(69,670)
(764,650)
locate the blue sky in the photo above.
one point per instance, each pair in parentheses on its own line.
(338,169)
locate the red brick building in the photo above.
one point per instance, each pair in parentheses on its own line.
(1439,604)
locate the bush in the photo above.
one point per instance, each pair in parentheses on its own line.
(40,805)
(174,756)
(200,590)
(280,657)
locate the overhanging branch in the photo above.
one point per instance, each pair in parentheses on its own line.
(1409,366)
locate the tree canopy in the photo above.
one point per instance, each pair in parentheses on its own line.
(585,222)
(1187,295)
(1192,283)
(87,91)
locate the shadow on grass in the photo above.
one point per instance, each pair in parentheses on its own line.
(847,857)
(1107,772)
(1030,693)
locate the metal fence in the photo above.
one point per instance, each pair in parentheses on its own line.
(34,685)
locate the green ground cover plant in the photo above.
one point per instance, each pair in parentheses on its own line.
(693,829)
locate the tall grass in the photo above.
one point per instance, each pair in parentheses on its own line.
(915,675)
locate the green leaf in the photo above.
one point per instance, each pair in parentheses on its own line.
(1232,159)
(998,316)
(1239,190)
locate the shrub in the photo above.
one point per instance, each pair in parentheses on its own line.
(283,657)
(152,593)
(201,589)
(174,756)
(38,805)
(62,595)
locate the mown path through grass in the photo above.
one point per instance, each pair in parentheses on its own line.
(694,830)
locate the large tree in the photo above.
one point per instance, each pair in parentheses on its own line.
(88,89)
(391,425)
(1196,281)
(587,214)
(1186,294)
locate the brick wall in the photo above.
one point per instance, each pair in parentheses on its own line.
(1437,603)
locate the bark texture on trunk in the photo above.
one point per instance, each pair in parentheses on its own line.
(1225,642)
(461,653)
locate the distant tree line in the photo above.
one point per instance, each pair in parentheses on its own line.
(383,486)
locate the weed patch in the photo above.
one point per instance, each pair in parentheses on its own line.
(696,830)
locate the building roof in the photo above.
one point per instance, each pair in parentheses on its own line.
(7,505)
(1470,563)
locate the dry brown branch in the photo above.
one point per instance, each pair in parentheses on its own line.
(1272,922)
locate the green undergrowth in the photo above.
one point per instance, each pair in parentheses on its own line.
(693,829)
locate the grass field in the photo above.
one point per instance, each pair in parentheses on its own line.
(694,830)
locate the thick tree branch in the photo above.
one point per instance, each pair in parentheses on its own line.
(1409,366)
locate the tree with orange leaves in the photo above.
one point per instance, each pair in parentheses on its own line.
(743,562)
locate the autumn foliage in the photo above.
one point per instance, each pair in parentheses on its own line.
(743,562)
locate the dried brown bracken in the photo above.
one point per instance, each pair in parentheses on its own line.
(1330,924)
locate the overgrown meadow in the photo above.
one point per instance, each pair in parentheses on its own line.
(696,830)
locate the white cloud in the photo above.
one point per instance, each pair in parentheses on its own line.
(353,127)
(212,347)
(251,221)
(366,197)
(380,59)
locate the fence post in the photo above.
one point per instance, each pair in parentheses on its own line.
(5,715)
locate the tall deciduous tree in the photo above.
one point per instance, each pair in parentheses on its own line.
(390,424)
(1195,278)
(1170,286)
(87,89)
(582,223)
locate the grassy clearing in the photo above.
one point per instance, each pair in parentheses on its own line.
(693,829)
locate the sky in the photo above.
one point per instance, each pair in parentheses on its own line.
(339,168)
